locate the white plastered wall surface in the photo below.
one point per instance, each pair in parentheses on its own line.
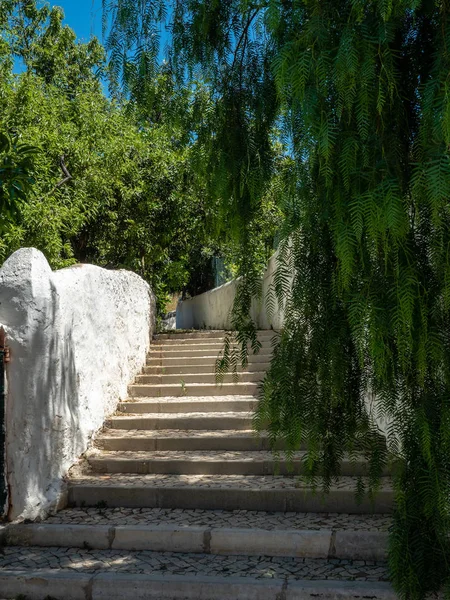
(77,337)
(212,309)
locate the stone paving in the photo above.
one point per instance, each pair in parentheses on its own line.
(259,482)
(204,347)
(180,433)
(204,455)
(168,399)
(188,399)
(184,415)
(220,518)
(169,563)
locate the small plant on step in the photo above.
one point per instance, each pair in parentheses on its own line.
(101,505)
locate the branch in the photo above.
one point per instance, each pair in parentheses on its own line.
(67,177)
(244,33)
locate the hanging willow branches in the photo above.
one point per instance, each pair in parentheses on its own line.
(359,92)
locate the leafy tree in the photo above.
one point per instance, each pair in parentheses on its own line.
(48,48)
(16,176)
(112,183)
(361,93)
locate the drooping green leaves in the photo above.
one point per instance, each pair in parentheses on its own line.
(358,93)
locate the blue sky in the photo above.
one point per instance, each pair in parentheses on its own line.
(83,16)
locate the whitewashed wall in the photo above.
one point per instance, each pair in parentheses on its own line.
(212,310)
(77,337)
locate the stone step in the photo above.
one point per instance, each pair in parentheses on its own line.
(195,404)
(189,378)
(193,389)
(217,339)
(241,519)
(199,360)
(38,573)
(219,420)
(266,344)
(224,492)
(189,352)
(205,334)
(212,532)
(209,463)
(201,368)
(352,536)
(148,440)
(323,543)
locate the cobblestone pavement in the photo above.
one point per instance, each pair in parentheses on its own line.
(204,455)
(220,518)
(208,346)
(188,399)
(146,562)
(181,415)
(259,482)
(180,433)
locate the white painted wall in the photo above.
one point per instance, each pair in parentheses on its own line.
(212,310)
(77,337)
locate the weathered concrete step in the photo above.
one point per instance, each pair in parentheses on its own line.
(209,368)
(234,519)
(245,520)
(223,420)
(192,334)
(199,360)
(208,463)
(210,350)
(189,405)
(205,334)
(213,345)
(217,339)
(189,378)
(193,389)
(175,342)
(224,492)
(142,440)
(255,579)
(305,543)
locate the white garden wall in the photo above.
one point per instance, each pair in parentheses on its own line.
(77,337)
(212,310)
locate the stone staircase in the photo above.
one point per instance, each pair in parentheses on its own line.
(180,499)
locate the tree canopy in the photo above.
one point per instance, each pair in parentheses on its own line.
(89,178)
(323,123)
(357,94)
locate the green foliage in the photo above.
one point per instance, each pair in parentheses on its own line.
(360,91)
(16,176)
(127,198)
(233,154)
(47,48)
